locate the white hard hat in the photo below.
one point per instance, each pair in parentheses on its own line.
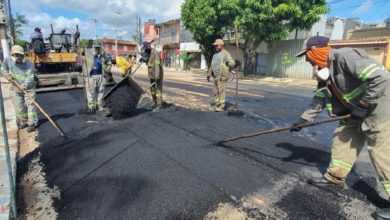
(323,74)
(16,49)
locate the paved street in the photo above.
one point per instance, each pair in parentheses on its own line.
(161,165)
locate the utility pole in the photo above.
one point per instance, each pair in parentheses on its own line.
(116,35)
(11,23)
(139,30)
(95,21)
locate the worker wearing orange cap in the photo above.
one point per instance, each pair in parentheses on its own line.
(351,82)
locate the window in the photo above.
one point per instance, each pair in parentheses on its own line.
(125,48)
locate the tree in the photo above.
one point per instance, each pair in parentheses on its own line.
(272,20)
(186,57)
(135,38)
(84,43)
(18,23)
(207,20)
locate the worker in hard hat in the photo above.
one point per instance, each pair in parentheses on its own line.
(155,72)
(221,63)
(351,82)
(22,71)
(99,67)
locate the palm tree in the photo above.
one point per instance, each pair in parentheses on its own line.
(16,28)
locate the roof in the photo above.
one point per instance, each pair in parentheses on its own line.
(174,21)
(123,42)
(360,41)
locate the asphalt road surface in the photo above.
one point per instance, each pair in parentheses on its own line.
(162,165)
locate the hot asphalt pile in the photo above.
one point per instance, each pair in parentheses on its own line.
(123,99)
(160,165)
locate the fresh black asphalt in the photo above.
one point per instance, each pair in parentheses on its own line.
(160,165)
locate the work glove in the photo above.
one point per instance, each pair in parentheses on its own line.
(295,127)
(8,77)
(208,78)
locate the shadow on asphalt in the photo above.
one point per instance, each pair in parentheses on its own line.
(320,158)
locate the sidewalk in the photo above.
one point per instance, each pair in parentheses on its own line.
(5,192)
(306,83)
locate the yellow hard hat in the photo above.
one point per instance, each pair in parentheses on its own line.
(16,49)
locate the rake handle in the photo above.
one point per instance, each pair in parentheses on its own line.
(309,124)
(37,105)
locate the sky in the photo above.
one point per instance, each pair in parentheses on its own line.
(69,13)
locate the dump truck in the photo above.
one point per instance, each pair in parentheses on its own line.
(58,65)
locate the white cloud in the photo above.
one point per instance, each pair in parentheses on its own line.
(103,10)
(367,5)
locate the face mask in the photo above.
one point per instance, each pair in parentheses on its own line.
(17,59)
(323,74)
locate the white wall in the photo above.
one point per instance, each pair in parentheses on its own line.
(338,30)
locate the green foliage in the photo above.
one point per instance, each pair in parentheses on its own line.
(135,38)
(186,57)
(257,20)
(21,43)
(287,59)
(207,20)
(19,20)
(84,43)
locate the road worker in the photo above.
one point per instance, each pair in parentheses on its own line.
(22,71)
(99,67)
(221,63)
(350,82)
(155,72)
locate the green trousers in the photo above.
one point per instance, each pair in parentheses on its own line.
(26,112)
(348,142)
(219,90)
(95,92)
(156,91)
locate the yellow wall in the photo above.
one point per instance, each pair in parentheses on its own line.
(368,32)
(375,52)
(388,56)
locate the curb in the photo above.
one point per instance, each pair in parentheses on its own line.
(5,192)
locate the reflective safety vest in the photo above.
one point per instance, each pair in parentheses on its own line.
(354,76)
(23,73)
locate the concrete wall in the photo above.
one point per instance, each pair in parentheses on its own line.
(338,30)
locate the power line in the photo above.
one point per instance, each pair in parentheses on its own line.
(335,2)
(354,6)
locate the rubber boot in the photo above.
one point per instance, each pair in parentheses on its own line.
(322,182)
(382,214)
(22,125)
(31,128)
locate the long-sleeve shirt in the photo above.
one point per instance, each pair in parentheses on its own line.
(23,73)
(356,76)
(155,69)
(220,65)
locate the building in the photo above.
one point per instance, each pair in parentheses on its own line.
(335,28)
(368,32)
(169,39)
(125,47)
(375,41)
(151,31)
(353,24)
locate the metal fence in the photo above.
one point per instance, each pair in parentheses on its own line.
(283,63)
